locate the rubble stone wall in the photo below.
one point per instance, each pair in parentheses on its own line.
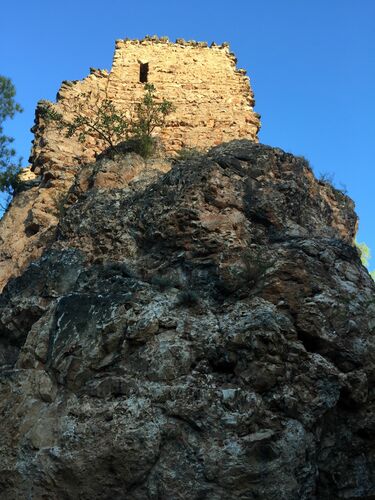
(213,99)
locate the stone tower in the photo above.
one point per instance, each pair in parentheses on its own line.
(213,99)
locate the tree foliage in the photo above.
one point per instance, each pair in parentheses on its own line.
(149,113)
(102,120)
(365,253)
(9,166)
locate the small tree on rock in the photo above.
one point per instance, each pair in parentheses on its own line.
(105,121)
(149,114)
(102,120)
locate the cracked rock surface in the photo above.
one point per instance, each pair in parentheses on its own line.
(204,333)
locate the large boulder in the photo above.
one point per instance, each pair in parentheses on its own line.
(203,333)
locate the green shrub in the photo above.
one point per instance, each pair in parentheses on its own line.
(188,153)
(144,146)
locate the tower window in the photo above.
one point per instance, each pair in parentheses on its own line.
(143,72)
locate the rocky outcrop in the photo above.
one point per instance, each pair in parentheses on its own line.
(29,225)
(206,332)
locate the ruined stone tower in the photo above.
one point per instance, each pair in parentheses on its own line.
(213,99)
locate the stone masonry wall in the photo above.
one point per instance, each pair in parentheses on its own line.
(213,99)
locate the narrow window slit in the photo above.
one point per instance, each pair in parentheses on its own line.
(143,72)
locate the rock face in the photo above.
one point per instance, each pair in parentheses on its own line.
(29,225)
(207,332)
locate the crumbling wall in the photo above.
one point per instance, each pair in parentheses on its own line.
(214,101)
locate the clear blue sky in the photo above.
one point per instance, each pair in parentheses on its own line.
(311,64)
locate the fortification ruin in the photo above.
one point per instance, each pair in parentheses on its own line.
(213,99)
